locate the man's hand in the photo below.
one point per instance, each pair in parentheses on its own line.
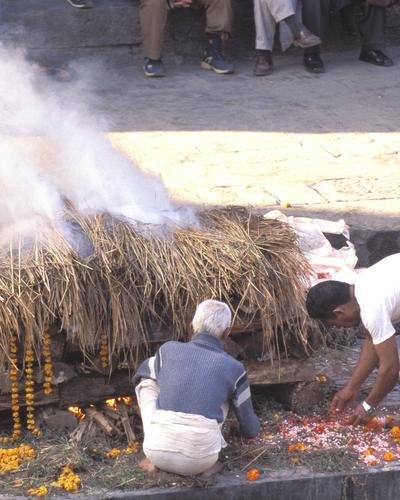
(359,417)
(184,4)
(343,398)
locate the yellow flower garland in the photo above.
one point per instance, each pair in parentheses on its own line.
(30,391)
(38,492)
(15,408)
(12,458)
(48,364)
(104,350)
(68,480)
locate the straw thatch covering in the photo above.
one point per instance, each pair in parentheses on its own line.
(137,281)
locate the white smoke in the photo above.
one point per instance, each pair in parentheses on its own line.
(49,152)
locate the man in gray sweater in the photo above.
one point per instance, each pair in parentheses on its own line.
(184,392)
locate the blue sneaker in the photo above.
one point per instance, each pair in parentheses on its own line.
(213,57)
(153,67)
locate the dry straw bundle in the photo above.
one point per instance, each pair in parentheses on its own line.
(136,281)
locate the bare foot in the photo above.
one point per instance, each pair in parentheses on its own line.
(147,466)
(215,469)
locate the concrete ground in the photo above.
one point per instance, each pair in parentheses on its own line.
(326,144)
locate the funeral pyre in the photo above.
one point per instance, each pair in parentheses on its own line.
(63,317)
(98,264)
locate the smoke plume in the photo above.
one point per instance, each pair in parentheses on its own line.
(50,152)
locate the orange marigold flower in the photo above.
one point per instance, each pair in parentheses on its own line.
(372,425)
(389,456)
(369,451)
(395,432)
(253,474)
(297,447)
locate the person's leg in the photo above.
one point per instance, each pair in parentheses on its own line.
(372,29)
(218,28)
(315,18)
(153,19)
(285,11)
(265,34)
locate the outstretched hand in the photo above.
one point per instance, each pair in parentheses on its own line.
(342,399)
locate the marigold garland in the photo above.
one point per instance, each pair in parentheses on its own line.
(30,391)
(104,350)
(68,480)
(15,408)
(12,458)
(48,364)
(38,492)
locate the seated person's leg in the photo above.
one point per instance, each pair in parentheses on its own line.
(153,18)
(315,18)
(372,29)
(265,34)
(218,27)
(285,10)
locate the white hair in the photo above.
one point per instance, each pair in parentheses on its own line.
(212,317)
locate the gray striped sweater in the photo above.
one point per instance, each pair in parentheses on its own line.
(198,377)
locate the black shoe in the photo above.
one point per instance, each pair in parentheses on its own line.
(153,67)
(376,57)
(313,63)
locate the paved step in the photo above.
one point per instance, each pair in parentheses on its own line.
(55,24)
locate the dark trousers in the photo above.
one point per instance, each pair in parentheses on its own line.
(372,24)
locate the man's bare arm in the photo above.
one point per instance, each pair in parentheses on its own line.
(386,379)
(388,372)
(367,362)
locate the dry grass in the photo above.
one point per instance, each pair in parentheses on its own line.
(138,280)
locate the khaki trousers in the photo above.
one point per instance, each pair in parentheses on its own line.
(159,449)
(153,18)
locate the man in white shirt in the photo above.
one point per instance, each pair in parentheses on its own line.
(374,302)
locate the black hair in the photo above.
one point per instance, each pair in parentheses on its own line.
(324,297)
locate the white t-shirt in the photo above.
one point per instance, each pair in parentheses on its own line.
(377,290)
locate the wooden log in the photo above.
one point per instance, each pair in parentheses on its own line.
(106,426)
(130,435)
(85,431)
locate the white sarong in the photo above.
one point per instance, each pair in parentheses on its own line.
(176,442)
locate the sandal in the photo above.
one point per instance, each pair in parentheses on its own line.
(81,4)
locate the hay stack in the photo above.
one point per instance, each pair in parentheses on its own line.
(136,281)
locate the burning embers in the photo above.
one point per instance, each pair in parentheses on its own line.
(114,418)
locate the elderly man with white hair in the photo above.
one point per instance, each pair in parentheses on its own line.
(184,392)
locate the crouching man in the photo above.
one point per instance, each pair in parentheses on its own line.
(373,302)
(184,392)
